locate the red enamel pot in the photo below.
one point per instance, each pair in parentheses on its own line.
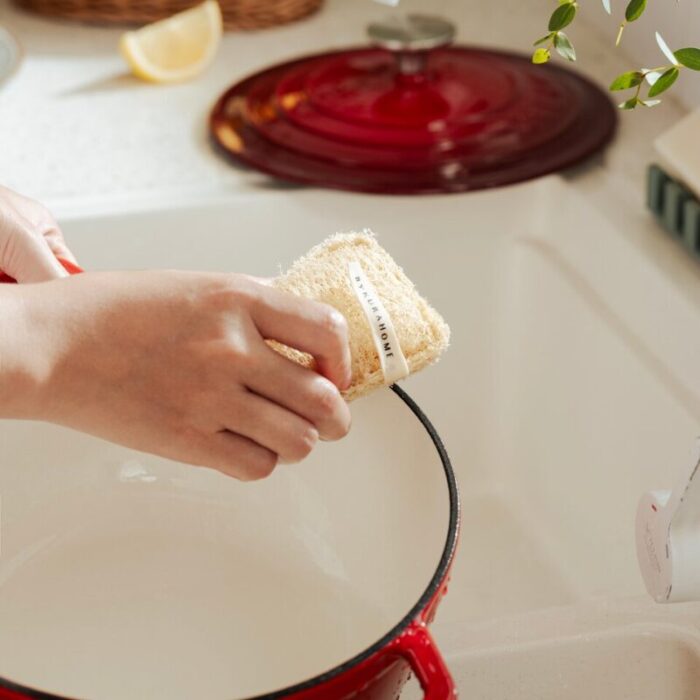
(123,575)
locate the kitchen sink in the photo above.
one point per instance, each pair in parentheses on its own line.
(571,387)
(644,663)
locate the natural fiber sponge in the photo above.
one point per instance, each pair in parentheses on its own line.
(323,274)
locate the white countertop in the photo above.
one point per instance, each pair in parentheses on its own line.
(75,128)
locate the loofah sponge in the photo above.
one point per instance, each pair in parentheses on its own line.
(324,274)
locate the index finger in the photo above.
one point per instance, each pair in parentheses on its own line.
(309,326)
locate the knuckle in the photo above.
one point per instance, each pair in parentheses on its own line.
(332,415)
(302,445)
(243,289)
(241,345)
(325,397)
(230,291)
(334,324)
(241,353)
(221,299)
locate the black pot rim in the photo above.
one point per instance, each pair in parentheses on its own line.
(435,583)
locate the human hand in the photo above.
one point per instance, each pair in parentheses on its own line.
(176,364)
(30,240)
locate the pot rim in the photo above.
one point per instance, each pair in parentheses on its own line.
(423,602)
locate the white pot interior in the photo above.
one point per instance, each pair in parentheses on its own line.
(123,575)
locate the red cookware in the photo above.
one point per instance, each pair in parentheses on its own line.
(412,115)
(123,575)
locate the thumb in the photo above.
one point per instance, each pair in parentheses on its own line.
(30,259)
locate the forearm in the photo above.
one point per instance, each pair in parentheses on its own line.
(22,372)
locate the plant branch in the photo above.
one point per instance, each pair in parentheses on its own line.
(658,79)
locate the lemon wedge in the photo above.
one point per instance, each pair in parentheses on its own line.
(177,48)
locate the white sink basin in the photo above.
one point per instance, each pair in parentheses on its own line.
(571,387)
(644,663)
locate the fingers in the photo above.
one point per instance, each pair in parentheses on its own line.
(29,241)
(302,391)
(262,434)
(309,326)
(236,456)
(285,433)
(30,259)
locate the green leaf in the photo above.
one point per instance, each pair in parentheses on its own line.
(562,17)
(650,103)
(629,104)
(690,58)
(564,47)
(543,40)
(540,56)
(664,82)
(635,9)
(627,80)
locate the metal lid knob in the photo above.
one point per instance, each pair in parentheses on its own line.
(411,33)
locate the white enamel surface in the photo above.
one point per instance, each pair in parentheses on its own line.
(644,663)
(122,575)
(572,386)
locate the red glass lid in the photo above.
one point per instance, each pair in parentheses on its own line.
(412,116)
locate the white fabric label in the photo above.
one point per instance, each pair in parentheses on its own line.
(393,362)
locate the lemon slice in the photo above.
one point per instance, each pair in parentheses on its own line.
(176,48)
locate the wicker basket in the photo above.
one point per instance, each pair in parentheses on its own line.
(238,14)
